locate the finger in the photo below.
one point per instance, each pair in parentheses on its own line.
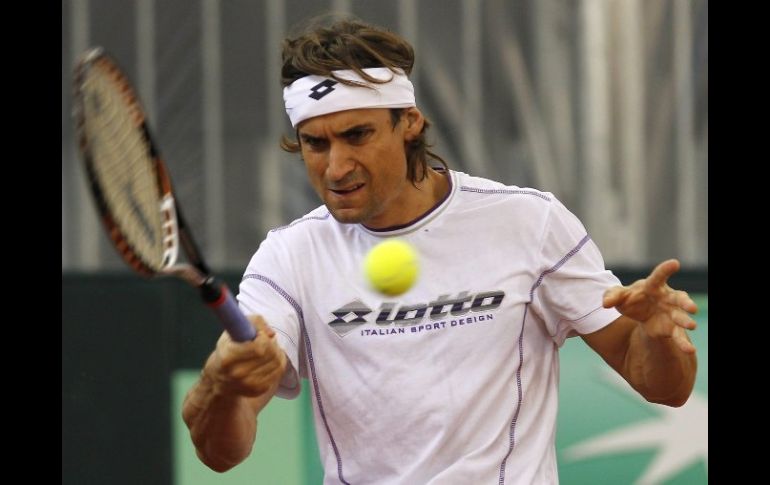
(684,344)
(224,338)
(266,345)
(614,296)
(257,384)
(244,370)
(683,319)
(686,303)
(662,272)
(261,326)
(232,354)
(227,351)
(258,380)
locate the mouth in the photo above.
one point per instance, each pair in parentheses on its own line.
(347,190)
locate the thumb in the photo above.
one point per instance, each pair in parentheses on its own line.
(261,326)
(614,296)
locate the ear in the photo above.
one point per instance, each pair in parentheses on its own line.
(414,121)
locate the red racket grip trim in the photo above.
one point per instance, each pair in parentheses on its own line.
(218,297)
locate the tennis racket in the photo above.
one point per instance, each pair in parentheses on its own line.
(132,188)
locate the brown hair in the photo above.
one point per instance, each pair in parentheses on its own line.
(350,44)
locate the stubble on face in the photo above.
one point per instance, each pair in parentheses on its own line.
(356,162)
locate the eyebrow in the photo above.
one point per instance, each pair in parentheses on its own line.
(341,134)
(308,138)
(361,127)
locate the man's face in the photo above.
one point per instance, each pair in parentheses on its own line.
(356,161)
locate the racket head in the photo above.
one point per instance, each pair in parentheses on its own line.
(127,177)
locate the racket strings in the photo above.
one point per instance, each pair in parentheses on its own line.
(124,168)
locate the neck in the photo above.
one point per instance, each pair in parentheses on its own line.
(429,192)
(437,184)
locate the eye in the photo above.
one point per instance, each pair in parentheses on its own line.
(357,135)
(313,143)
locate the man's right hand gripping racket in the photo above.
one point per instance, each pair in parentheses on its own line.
(132,188)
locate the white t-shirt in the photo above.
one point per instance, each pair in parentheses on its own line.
(456,380)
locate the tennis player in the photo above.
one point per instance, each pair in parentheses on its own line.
(455,381)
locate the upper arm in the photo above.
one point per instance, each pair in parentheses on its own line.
(267,289)
(612,342)
(573,278)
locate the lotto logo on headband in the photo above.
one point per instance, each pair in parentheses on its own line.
(322,89)
(394,91)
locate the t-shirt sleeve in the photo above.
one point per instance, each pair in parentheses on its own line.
(267,289)
(569,291)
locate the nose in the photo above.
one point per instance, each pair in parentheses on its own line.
(341,162)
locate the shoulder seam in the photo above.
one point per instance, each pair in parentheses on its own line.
(505,192)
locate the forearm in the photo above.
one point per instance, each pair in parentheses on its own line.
(222,425)
(658,369)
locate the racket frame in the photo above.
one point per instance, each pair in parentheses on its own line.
(174,226)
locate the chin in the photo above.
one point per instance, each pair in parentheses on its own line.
(346,216)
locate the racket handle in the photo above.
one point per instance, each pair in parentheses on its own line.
(218,298)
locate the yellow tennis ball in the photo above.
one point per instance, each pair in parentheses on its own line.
(391,267)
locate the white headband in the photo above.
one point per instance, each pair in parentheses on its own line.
(311,96)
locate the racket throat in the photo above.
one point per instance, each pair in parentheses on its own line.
(192,275)
(213,292)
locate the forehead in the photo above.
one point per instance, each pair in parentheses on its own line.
(342,120)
